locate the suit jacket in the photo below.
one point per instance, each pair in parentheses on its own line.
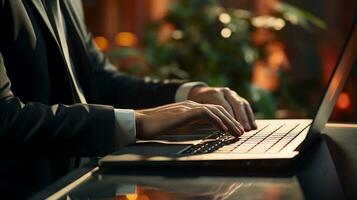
(40,114)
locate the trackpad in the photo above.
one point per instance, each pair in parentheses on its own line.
(165,145)
(152,150)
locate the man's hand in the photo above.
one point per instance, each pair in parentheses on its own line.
(229,100)
(152,122)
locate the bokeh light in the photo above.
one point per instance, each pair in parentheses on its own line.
(102,43)
(226,32)
(177,34)
(268,22)
(132,196)
(343,101)
(224,18)
(126,39)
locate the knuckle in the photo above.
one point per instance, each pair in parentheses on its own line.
(226,90)
(244,101)
(215,92)
(241,103)
(235,94)
(215,108)
(204,110)
(220,107)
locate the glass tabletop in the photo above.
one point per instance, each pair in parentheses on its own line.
(148,187)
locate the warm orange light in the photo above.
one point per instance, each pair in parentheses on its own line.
(343,101)
(276,57)
(132,196)
(265,77)
(261,36)
(143,197)
(165,32)
(125,39)
(102,43)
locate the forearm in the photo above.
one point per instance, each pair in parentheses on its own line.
(59,130)
(123,91)
(36,129)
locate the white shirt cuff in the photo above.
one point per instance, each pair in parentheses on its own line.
(183,91)
(125,127)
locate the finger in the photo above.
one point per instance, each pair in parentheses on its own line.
(227,115)
(239,109)
(223,102)
(231,118)
(250,115)
(203,112)
(228,119)
(233,128)
(242,116)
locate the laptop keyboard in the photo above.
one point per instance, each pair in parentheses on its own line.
(271,138)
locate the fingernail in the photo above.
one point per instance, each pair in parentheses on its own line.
(239,132)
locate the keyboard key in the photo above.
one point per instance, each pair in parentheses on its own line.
(271,128)
(271,138)
(286,128)
(298,129)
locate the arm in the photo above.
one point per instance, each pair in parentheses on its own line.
(128,92)
(59,130)
(125,91)
(118,89)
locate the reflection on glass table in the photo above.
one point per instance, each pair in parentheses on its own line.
(125,187)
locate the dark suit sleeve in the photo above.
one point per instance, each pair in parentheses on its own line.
(41,130)
(121,90)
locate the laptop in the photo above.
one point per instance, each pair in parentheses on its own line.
(276,142)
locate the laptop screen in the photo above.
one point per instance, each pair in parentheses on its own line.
(337,81)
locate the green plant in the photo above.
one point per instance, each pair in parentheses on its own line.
(201,40)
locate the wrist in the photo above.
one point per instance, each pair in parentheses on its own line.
(139,123)
(194,92)
(183,91)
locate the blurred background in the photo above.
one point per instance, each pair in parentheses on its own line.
(279,54)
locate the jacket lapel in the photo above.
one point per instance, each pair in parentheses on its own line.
(74,21)
(41,11)
(82,55)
